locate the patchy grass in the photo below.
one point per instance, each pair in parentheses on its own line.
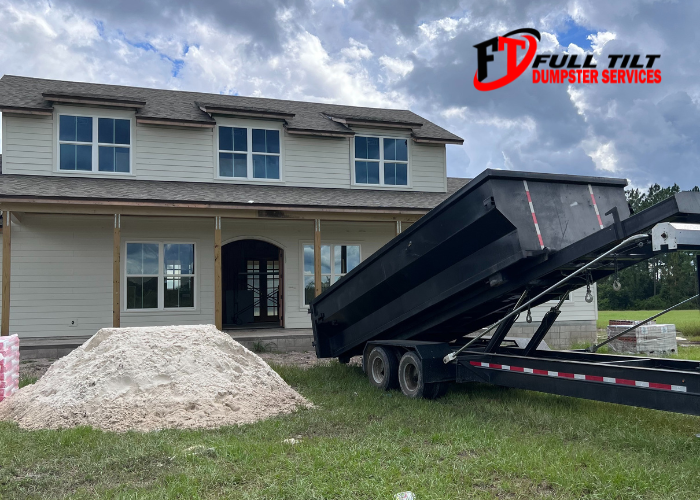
(27,381)
(687,321)
(479,442)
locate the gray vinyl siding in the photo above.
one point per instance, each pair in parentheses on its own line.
(189,154)
(174,154)
(429,167)
(319,162)
(27,145)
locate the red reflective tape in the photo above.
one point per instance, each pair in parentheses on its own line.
(587,378)
(534,217)
(595,206)
(529,200)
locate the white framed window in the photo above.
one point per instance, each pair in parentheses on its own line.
(159,275)
(249,153)
(336,261)
(92,143)
(380,161)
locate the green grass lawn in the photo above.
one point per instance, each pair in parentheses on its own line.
(479,441)
(687,321)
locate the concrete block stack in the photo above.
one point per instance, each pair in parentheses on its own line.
(9,366)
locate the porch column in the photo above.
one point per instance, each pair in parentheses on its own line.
(6,267)
(116,272)
(398,227)
(218,303)
(317,256)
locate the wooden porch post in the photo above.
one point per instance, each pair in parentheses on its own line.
(116,273)
(398,227)
(317,256)
(6,267)
(218,302)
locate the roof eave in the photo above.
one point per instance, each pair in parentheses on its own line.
(112,102)
(171,122)
(20,110)
(322,133)
(435,140)
(246,113)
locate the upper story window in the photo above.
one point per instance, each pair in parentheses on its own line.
(114,138)
(381,161)
(249,153)
(75,142)
(78,149)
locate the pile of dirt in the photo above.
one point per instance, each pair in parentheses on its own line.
(154,378)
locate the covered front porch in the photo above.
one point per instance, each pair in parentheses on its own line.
(64,270)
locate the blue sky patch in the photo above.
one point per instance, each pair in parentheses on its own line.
(574,33)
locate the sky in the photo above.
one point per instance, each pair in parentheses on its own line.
(406,54)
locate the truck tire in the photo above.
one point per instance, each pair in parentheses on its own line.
(411,379)
(382,368)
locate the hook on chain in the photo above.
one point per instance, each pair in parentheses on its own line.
(616,282)
(589,294)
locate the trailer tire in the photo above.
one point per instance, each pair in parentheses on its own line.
(382,368)
(412,382)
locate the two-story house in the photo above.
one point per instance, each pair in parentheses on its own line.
(127,206)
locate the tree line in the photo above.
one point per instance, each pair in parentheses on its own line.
(659,282)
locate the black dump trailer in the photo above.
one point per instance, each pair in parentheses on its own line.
(506,242)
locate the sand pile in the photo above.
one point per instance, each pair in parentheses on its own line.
(153,378)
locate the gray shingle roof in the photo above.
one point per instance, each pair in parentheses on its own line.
(55,187)
(24,92)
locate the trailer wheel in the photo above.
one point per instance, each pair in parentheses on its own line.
(382,368)
(411,379)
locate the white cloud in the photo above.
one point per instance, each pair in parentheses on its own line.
(599,40)
(356,51)
(400,67)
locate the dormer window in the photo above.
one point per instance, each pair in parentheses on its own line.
(94,144)
(75,142)
(249,153)
(381,161)
(114,138)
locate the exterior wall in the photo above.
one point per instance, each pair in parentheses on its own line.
(27,145)
(30,147)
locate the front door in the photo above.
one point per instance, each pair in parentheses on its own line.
(251,284)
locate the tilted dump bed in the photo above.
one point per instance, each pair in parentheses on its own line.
(463,265)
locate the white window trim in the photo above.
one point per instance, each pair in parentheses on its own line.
(302,286)
(95,115)
(161,278)
(249,125)
(381,184)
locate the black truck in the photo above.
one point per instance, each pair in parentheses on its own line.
(434,305)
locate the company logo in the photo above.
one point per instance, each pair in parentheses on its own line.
(562,68)
(511,45)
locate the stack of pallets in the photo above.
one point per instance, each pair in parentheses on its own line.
(9,366)
(651,338)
